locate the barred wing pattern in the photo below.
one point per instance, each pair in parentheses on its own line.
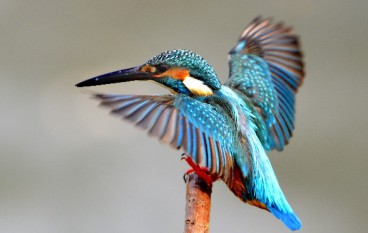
(182,122)
(267,66)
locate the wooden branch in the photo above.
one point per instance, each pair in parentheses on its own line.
(198,204)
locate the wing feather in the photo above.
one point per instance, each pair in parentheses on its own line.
(170,132)
(178,120)
(267,66)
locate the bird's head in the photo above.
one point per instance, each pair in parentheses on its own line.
(181,71)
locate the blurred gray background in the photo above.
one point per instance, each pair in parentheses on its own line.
(67,166)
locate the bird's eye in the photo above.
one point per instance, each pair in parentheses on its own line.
(162,68)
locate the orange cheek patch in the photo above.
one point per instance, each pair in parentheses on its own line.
(176,73)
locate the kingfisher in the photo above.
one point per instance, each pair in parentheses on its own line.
(224,129)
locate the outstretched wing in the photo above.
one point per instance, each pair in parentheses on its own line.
(266,65)
(183,122)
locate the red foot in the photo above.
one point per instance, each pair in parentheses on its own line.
(201,171)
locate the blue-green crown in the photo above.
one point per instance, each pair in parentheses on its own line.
(198,67)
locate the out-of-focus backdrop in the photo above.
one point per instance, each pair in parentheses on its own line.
(67,166)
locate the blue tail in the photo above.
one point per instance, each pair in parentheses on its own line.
(262,185)
(289,219)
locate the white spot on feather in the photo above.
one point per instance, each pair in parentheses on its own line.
(196,86)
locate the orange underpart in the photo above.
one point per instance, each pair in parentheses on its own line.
(256,203)
(201,171)
(238,187)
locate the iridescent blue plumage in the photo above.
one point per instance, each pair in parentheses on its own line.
(228,128)
(267,66)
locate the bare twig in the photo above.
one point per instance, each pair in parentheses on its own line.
(198,204)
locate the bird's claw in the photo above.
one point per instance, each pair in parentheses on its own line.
(185,177)
(202,172)
(184,156)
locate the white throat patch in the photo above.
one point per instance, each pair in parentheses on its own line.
(196,86)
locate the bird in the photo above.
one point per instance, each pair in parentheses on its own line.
(225,129)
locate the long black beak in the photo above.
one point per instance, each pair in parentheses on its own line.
(126,75)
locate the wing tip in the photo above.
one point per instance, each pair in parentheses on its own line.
(276,43)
